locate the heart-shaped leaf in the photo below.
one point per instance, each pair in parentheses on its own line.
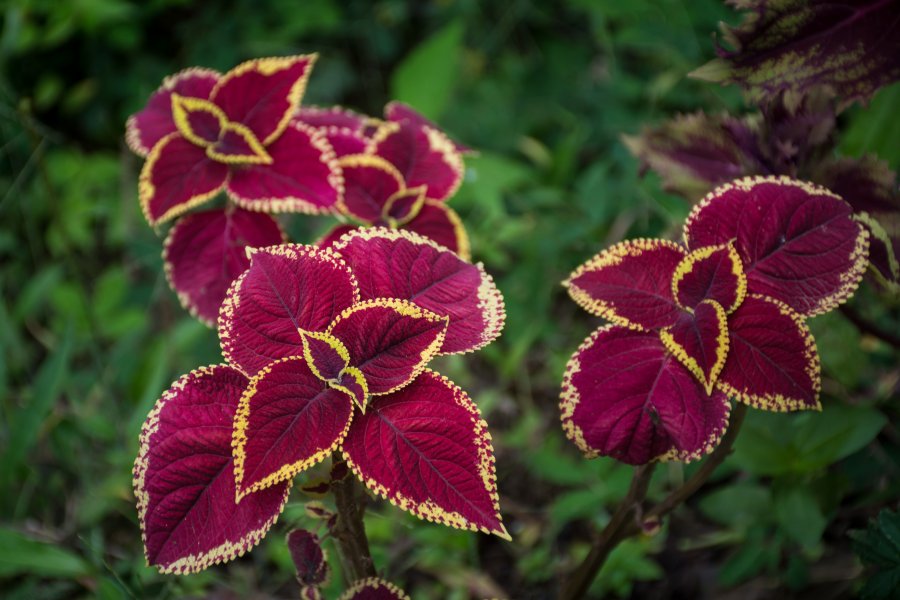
(393,263)
(798,242)
(699,340)
(184,477)
(264,93)
(287,420)
(286,288)
(772,360)
(710,273)
(625,396)
(426,449)
(389,340)
(630,283)
(369,181)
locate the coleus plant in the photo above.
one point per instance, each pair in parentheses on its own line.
(719,316)
(326,351)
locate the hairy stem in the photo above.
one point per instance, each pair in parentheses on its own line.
(626,521)
(350,531)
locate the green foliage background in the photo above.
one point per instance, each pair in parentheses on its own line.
(91,335)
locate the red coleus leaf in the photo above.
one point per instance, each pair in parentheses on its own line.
(426,449)
(302,177)
(264,93)
(177,176)
(391,263)
(798,242)
(630,283)
(699,339)
(389,340)
(308,556)
(399,112)
(625,396)
(373,588)
(439,222)
(287,420)
(369,183)
(205,251)
(147,127)
(772,359)
(423,155)
(710,273)
(198,120)
(344,141)
(334,234)
(184,477)
(333,116)
(325,354)
(850,46)
(286,288)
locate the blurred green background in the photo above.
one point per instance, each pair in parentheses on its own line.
(91,335)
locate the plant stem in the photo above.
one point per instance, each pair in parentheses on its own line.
(626,521)
(612,534)
(350,531)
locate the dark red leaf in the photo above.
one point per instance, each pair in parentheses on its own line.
(308,556)
(374,588)
(699,340)
(710,273)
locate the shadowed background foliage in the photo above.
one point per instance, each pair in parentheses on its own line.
(91,334)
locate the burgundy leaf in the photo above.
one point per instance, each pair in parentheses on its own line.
(403,206)
(398,112)
(848,45)
(333,116)
(373,588)
(423,155)
(772,360)
(630,283)
(287,421)
(332,236)
(286,288)
(184,477)
(700,341)
(303,176)
(344,141)
(369,182)
(154,122)
(176,177)
(426,449)
(325,354)
(308,556)
(439,222)
(710,273)
(238,146)
(392,263)
(264,93)
(389,340)
(205,251)
(624,396)
(798,242)
(198,120)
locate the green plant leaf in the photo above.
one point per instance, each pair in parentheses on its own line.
(799,515)
(20,555)
(741,505)
(879,546)
(426,77)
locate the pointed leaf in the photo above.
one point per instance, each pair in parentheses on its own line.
(427,450)
(264,93)
(176,177)
(286,288)
(798,242)
(399,112)
(325,354)
(403,206)
(373,588)
(369,182)
(437,221)
(624,396)
(198,120)
(344,141)
(700,341)
(850,46)
(238,146)
(154,122)
(710,273)
(332,236)
(389,340)
(302,177)
(630,283)
(772,360)
(308,556)
(352,381)
(393,263)
(206,251)
(333,116)
(287,421)
(184,477)
(424,156)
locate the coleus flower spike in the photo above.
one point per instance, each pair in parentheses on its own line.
(327,351)
(203,132)
(721,316)
(376,194)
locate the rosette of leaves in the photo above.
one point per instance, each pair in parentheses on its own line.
(720,316)
(399,172)
(203,132)
(326,351)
